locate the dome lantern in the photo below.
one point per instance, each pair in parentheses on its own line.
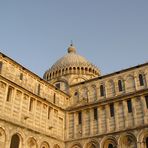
(71,49)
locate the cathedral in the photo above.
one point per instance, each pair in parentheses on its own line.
(73,105)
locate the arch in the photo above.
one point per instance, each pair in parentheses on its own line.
(130,83)
(78,70)
(92,144)
(15,141)
(82,70)
(74,69)
(143,138)
(102,90)
(77,79)
(20,133)
(90,70)
(31,142)
(120,85)
(93,93)
(128,140)
(110,88)
(109,142)
(63,71)
(141,79)
(76,145)
(47,76)
(56,73)
(84,94)
(70,69)
(63,84)
(53,74)
(86,69)
(2,137)
(93,71)
(45,145)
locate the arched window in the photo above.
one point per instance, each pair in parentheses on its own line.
(102,90)
(141,80)
(31,143)
(120,85)
(15,141)
(70,69)
(89,69)
(74,69)
(9,93)
(110,146)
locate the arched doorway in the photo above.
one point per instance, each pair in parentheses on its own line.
(15,141)
(110,146)
(110,143)
(146,142)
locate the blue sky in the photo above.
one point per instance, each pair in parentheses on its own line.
(112,34)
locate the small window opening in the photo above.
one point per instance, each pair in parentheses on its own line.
(39,88)
(120,85)
(141,80)
(102,90)
(49,109)
(79,118)
(54,98)
(9,93)
(1,65)
(21,76)
(146,101)
(31,104)
(95,114)
(76,93)
(58,85)
(129,106)
(112,110)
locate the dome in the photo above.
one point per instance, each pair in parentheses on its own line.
(72,60)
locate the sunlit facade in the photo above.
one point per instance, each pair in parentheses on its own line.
(73,105)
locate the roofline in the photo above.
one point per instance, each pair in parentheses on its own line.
(112,74)
(38,77)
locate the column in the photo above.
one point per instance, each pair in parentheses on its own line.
(91,121)
(75,124)
(133,100)
(144,108)
(125,111)
(83,123)
(99,121)
(107,117)
(116,116)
